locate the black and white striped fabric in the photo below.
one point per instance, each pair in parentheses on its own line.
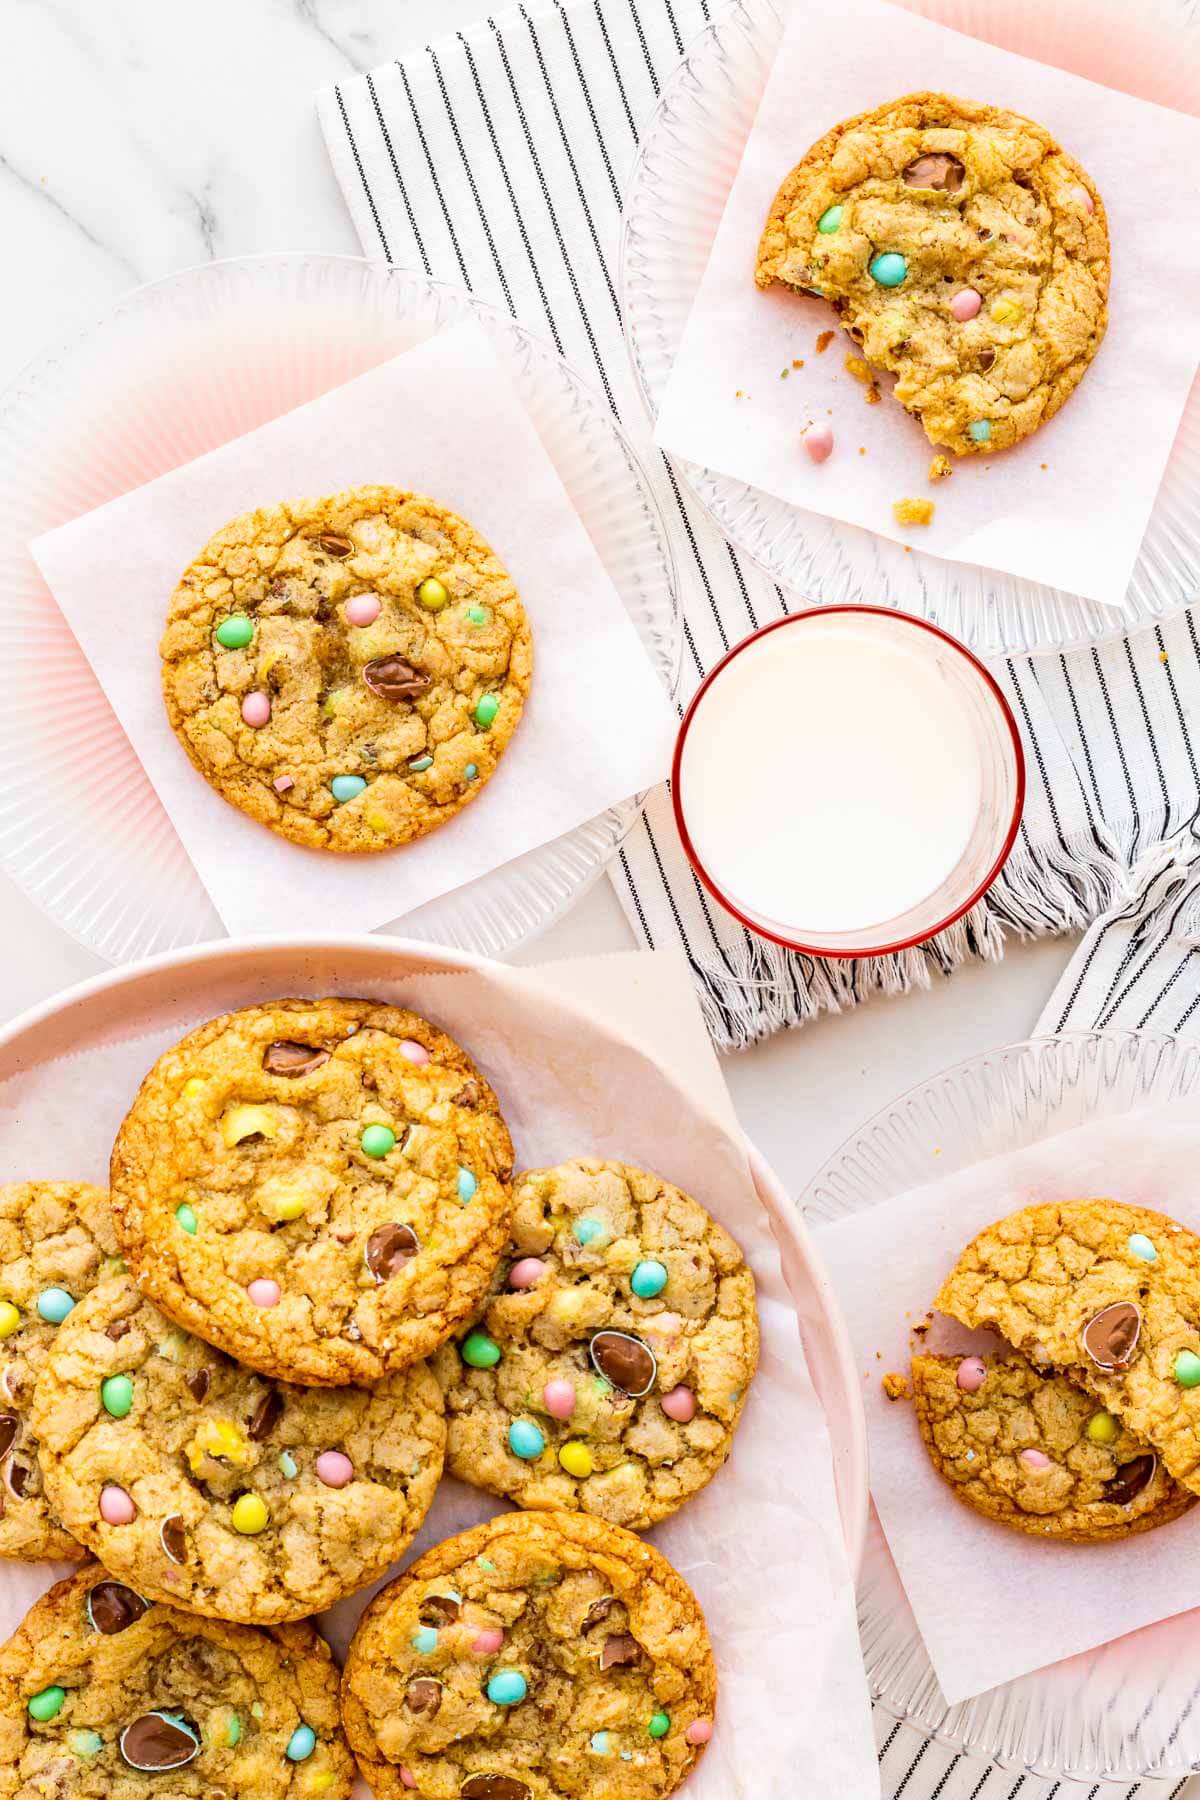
(497,158)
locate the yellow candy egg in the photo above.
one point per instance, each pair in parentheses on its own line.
(576,1459)
(1003,310)
(250,1515)
(319,1782)
(376,820)
(242,1122)
(193,1089)
(10,1318)
(221,1438)
(1102,1428)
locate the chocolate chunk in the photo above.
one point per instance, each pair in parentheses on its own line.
(596,1613)
(286,1057)
(394,679)
(619,1650)
(198,1384)
(8,1432)
(389,1247)
(116,1331)
(469,1094)
(1111,1338)
(625,1361)
(113,1607)
(986,359)
(160,1740)
(424,1695)
(173,1538)
(439,1610)
(333,545)
(935,171)
(983,234)
(17,1479)
(267,1415)
(493,1787)
(1130,1479)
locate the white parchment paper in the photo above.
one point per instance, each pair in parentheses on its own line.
(443,419)
(1076,523)
(991,1603)
(606,1057)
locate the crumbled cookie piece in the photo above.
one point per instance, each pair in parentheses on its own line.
(940,468)
(912,512)
(896,1387)
(824,339)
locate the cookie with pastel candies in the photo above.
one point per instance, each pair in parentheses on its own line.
(541,1654)
(610,1366)
(1028,1448)
(964,250)
(347,670)
(202,1483)
(57,1240)
(320,1188)
(105,1696)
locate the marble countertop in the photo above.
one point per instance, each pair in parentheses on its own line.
(139,137)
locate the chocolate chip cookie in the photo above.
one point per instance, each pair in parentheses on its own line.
(539,1655)
(320,1188)
(56,1240)
(1110,1295)
(220,1490)
(963,249)
(348,670)
(610,1366)
(1030,1449)
(105,1697)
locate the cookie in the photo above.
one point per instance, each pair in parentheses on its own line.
(610,1367)
(213,1488)
(104,1697)
(1030,1449)
(349,670)
(1106,1292)
(963,249)
(56,1239)
(539,1655)
(317,1187)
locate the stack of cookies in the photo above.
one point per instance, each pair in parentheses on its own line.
(235,1380)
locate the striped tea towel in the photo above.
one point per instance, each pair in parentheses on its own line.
(497,159)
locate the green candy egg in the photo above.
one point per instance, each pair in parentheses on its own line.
(85,1743)
(830,219)
(419,764)
(889,269)
(116,1395)
(480,1351)
(378,1140)
(47,1704)
(1187,1369)
(470,772)
(477,614)
(185,1218)
(486,710)
(235,632)
(979,430)
(660,1724)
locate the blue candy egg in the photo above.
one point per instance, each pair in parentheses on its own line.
(525,1440)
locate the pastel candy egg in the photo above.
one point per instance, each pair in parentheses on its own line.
(1140,1246)
(264,1292)
(235,632)
(478,615)
(525,1440)
(680,1405)
(288,1464)
(979,430)
(10,1318)
(1187,1369)
(425,1641)
(86,1743)
(526,1273)
(256,708)
(972,1373)
(888,269)
(1084,199)
(965,304)
(467,1185)
(818,442)
(407,1778)
(589,1231)
(699,1731)
(377,1141)
(830,219)
(116,1395)
(486,710)
(283,784)
(301,1744)
(559,1399)
(346,787)
(334,1468)
(410,1050)
(419,764)
(479,1351)
(600,1743)
(659,1725)
(507,1687)
(53,1304)
(487,1641)
(432,595)
(1102,1428)
(364,609)
(47,1704)
(250,1515)
(470,772)
(1035,1459)
(576,1459)
(116,1507)
(648,1279)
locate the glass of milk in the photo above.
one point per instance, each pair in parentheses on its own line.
(848,781)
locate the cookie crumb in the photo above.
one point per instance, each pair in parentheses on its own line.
(862,449)
(784,373)
(824,341)
(797,362)
(872,395)
(939,468)
(860,370)
(896,1387)
(912,512)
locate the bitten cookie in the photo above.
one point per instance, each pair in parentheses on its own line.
(317,1187)
(1106,1292)
(539,1655)
(348,670)
(213,1488)
(1030,1449)
(56,1240)
(610,1367)
(103,1697)
(963,249)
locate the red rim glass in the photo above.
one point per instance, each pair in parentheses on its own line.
(779,935)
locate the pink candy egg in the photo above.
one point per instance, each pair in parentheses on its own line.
(334,1468)
(264,1291)
(407,1778)
(414,1052)
(1084,198)
(965,304)
(559,1397)
(1035,1459)
(256,708)
(680,1404)
(818,441)
(116,1507)
(972,1373)
(364,609)
(699,1731)
(526,1273)
(282,783)
(487,1641)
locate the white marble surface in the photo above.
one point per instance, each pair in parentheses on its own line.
(140,136)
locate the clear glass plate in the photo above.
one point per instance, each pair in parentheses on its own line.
(82,830)
(1129,1708)
(689,156)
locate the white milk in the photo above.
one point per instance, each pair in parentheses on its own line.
(831,777)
